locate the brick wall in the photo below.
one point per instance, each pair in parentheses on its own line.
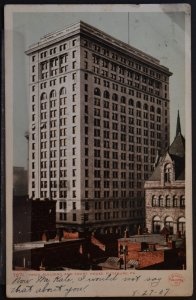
(150,258)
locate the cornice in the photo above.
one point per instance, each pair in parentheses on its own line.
(82,28)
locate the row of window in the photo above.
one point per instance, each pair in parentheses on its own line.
(123,60)
(123,194)
(54,50)
(130,83)
(63,217)
(119,70)
(115,195)
(168,201)
(105,215)
(106,205)
(168,222)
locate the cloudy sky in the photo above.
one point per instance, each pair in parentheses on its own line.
(159,34)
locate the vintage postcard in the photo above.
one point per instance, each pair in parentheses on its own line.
(98,150)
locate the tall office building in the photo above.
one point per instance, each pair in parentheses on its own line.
(99,112)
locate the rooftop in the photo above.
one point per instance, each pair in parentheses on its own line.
(147,238)
(93,32)
(40,244)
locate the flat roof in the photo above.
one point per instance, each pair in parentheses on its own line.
(41,244)
(91,31)
(146,238)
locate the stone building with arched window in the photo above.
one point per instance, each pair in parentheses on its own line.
(165,189)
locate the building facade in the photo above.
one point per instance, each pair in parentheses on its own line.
(165,189)
(99,111)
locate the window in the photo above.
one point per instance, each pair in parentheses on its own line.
(62,91)
(161,201)
(182,201)
(138,104)
(158,110)
(167,173)
(85,65)
(123,100)
(106,94)
(74,217)
(86,76)
(169,224)
(168,201)
(156,224)
(181,225)
(52,94)
(97,92)
(175,201)
(152,109)
(73,87)
(155,201)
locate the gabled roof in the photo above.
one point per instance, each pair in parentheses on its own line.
(176,152)
(177,148)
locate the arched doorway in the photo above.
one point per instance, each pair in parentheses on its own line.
(169,224)
(156,224)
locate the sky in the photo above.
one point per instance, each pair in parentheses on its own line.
(159,34)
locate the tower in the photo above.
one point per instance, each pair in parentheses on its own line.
(99,112)
(178,125)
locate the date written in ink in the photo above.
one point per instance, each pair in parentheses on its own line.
(150,292)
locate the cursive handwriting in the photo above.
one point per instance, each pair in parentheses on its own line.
(79,284)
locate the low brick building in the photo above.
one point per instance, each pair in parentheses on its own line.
(165,189)
(51,255)
(151,250)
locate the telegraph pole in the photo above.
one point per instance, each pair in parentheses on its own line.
(125,249)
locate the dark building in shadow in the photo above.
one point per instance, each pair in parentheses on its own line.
(20,181)
(33,220)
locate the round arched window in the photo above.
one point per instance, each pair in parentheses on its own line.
(115,97)
(62,91)
(106,94)
(156,224)
(168,201)
(169,224)
(161,201)
(155,201)
(52,94)
(43,96)
(97,92)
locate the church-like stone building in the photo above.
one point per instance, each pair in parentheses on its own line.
(165,189)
